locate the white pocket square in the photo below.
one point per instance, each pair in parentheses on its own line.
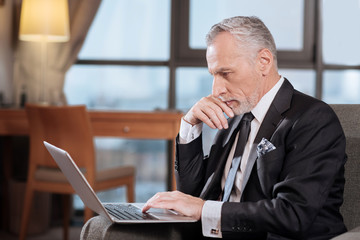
(264,147)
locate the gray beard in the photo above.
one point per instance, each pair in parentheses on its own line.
(247,105)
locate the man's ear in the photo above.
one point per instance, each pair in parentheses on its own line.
(265,60)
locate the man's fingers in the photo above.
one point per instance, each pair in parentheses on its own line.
(210,111)
(214,110)
(178,201)
(157,201)
(205,118)
(224,107)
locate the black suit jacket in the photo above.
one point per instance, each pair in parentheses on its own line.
(292,192)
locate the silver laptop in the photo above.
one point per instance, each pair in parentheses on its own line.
(115,212)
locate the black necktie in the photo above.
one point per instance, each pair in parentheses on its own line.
(245,124)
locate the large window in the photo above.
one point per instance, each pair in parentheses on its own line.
(146,55)
(129,30)
(134,88)
(213,11)
(294,36)
(341,86)
(341,32)
(339,70)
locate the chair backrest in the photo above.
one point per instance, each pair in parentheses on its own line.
(67,127)
(349,116)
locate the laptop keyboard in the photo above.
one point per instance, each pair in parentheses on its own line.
(127,212)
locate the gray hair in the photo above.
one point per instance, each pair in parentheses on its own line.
(251,33)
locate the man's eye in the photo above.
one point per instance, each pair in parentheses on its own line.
(225,74)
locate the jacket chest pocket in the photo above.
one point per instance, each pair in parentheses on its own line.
(269,167)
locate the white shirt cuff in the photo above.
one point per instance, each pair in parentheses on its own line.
(189,132)
(211,219)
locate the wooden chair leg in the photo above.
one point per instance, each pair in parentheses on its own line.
(130,190)
(67,205)
(29,194)
(6,147)
(88,213)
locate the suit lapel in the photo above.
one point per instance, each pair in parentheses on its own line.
(270,123)
(267,128)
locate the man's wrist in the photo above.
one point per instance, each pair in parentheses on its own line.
(187,121)
(188,132)
(211,219)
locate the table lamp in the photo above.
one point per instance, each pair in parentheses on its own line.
(44,21)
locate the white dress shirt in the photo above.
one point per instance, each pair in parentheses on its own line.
(211,212)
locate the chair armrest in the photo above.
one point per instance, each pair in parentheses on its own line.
(353,234)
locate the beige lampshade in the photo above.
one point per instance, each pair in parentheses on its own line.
(44,20)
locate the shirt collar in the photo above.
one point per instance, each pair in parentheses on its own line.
(263,105)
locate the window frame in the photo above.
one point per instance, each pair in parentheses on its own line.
(293,59)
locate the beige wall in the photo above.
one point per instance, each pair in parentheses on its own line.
(6,52)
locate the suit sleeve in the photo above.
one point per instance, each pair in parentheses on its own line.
(308,162)
(189,166)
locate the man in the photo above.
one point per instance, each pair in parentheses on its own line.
(275,169)
(290,182)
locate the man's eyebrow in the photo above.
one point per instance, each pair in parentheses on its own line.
(219,70)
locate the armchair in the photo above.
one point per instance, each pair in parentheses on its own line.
(349,116)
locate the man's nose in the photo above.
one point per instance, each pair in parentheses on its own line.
(218,87)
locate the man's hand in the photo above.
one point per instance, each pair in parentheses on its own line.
(209,110)
(182,203)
